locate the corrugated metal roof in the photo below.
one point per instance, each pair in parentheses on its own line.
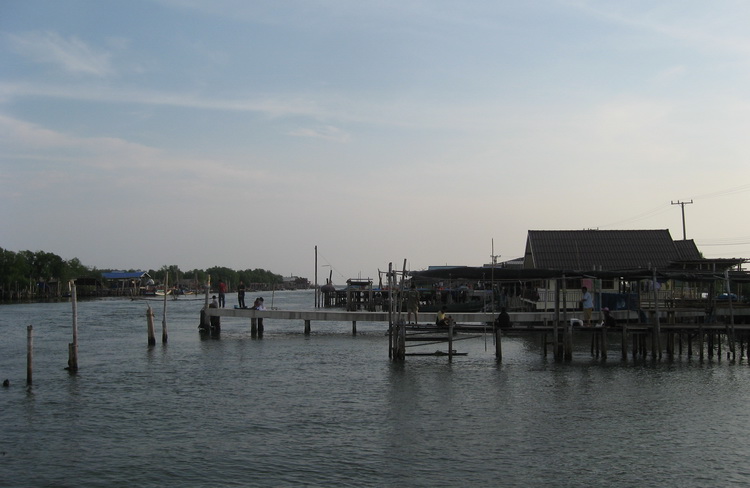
(600,249)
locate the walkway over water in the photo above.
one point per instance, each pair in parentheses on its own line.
(676,326)
(530,319)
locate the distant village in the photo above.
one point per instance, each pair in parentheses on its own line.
(27,275)
(615,264)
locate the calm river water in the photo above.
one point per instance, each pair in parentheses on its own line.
(330,409)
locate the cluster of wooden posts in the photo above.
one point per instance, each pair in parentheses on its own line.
(73,346)
(673,340)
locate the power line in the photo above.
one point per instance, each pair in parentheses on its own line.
(728,191)
(649,213)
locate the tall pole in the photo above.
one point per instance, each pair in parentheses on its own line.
(682,204)
(317,289)
(73,347)
(164,313)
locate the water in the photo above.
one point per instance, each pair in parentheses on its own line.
(331,409)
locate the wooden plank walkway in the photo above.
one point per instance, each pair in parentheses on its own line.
(675,327)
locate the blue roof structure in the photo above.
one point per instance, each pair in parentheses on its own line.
(124,275)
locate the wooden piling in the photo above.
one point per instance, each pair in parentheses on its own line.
(164,315)
(150,326)
(556,325)
(73,347)
(450,340)
(499,349)
(354,327)
(568,342)
(656,346)
(29,354)
(624,344)
(307,327)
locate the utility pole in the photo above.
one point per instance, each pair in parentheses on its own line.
(682,204)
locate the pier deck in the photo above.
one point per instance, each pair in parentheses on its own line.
(520,318)
(675,327)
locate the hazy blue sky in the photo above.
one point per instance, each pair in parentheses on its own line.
(240,133)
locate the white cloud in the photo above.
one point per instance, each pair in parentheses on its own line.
(71,54)
(327,132)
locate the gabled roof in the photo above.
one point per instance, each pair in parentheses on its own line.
(687,250)
(602,249)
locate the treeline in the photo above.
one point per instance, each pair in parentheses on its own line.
(230,276)
(32,274)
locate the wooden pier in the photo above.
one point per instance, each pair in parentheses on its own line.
(677,331)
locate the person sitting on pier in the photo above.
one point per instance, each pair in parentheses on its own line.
(442,319)
(503,319)
(609,320)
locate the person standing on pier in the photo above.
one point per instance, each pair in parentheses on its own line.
(587,303)
(241,294)
(258,305)
(222,293)
(412,304)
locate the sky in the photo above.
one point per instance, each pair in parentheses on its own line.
(150,133)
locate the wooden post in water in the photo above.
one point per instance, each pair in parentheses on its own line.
(401,336)
(567,326)
(624,344)
(730,333)
(450,340)
(164,316)
(656,345)
(73,347)
(307,327)
(206,318)
(29,353)
(498,347)
(150,326)
(556,323)
(700,342)
(354,327)
(390,313)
